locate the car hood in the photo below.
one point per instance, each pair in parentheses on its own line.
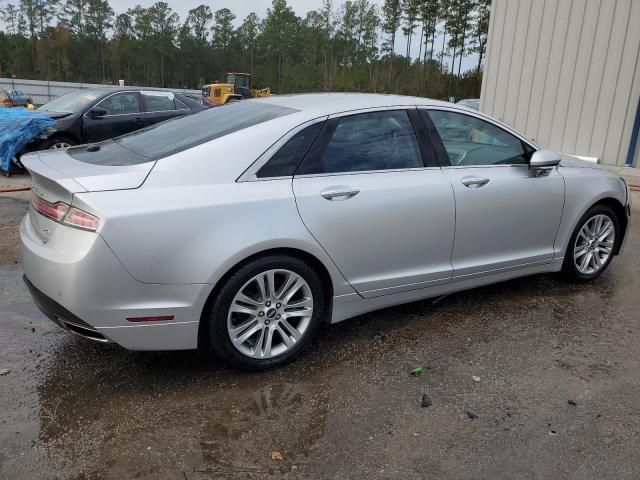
(55,115)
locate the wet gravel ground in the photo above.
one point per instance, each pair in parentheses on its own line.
(557,396)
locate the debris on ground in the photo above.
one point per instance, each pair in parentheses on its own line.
(475,379)
(552,432)
(276,456)
(4,371)
(426,401)
(417,371)
(378,336)
(471,415)
(572,403)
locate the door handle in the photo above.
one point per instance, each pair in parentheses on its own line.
(340,193)
(474,182)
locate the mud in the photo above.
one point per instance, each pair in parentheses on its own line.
(559,368)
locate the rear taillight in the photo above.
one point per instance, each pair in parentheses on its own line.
(54,211)
(63,213)
(6,102)
(81,219)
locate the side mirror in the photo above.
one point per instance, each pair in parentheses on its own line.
(97,112)
(544,159)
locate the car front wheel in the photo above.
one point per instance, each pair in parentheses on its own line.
(266,312)
(58,142)
(592,244)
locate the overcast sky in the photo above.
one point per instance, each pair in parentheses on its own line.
(241,8)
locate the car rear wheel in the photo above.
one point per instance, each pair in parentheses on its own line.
(266,312)
(592,244)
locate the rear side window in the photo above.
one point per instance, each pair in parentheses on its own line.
(158,101)
(366,142)
(287,159)
(181,133)
(121,103)
(472,141)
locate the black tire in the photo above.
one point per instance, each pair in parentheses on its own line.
(217,317)
(51,141)
(569,268)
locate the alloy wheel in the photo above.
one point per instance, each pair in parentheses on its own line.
(270,314)
(58,145)
(594,244)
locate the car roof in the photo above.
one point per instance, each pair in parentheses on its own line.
(106,90)
(319,104)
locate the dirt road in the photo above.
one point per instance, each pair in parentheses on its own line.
(557,396)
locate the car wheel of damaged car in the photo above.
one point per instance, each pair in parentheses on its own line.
(266,312)
(55,143)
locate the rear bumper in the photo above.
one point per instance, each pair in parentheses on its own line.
(63,317)
(78,282)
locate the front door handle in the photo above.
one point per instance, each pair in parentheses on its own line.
(339,193)
(474,182)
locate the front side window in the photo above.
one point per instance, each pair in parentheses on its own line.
(121,103)
(158,101)
(285,161)
(470,141)
(366,142)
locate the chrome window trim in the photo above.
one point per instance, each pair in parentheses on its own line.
(367,172)
(250,174)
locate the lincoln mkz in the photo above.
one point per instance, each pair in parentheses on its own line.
(244,227)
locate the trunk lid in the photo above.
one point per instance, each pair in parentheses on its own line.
(58,174)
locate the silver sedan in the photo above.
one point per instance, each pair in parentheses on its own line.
(244,227)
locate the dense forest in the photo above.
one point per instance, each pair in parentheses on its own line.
(351,46)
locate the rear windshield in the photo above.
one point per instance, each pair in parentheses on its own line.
(185,132)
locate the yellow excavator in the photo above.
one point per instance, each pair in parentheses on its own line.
(238,87)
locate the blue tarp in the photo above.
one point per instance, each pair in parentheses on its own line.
(17,127)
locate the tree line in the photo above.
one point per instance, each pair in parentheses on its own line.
(351,46)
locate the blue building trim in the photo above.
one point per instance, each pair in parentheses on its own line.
(634,137)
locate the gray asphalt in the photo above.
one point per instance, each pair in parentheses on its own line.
(557,396)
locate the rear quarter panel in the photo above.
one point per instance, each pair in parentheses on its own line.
(195,234)
(584,187)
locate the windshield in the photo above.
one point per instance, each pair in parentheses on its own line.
(71,102)
(173,136)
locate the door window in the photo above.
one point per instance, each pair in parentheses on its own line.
(158,101)
(285,161)
(121,103)
(471,141)
(365,142)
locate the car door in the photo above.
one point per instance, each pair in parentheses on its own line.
(507,216)
(124,115)
(372,195)
(160,106)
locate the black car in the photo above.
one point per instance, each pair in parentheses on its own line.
(88,116)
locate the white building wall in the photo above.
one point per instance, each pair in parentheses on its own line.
(566,73)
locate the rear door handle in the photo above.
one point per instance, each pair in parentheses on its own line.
(339,193)
(474,182)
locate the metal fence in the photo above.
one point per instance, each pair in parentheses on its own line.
(42,91)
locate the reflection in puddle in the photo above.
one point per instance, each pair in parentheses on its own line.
(107,413)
